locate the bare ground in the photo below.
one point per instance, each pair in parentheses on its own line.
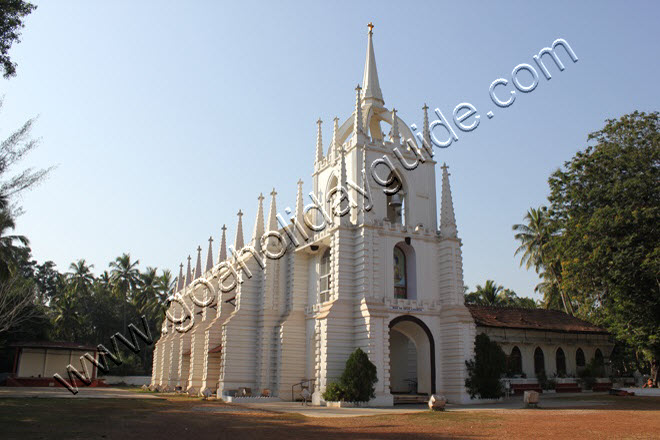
(188,418)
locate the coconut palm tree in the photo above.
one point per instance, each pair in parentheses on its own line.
(166,285)
(490,294)
(147,299)
(125,278)
(80,276)
(11,246)
(535,237)
(67,319)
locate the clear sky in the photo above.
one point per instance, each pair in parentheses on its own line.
(164,118)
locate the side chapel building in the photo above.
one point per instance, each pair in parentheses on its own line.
(385,277)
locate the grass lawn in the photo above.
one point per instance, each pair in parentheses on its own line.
(193,418)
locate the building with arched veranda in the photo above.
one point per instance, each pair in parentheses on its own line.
(361,263)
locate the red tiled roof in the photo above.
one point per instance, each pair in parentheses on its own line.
(530,319)
(217,349)
(54,345)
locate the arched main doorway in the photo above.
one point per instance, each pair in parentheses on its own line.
(412,356)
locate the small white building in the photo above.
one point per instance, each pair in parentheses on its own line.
(35,363)
(365,265)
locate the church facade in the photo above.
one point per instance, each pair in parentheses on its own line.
(365,263)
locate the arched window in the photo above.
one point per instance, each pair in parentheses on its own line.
(579,358)
(599,363)
(515,362)
(325,277)
(539,361)
(400,275)
(560,360)
(598,355)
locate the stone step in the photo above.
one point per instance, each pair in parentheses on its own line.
(410,398)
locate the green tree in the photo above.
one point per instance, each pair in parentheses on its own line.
(67,318)
(606,203)
(536,238)
(492,294)
(357,381)
(486,369)
(11,246)
(81,277)
(12,14)
(125,278)
(359,377)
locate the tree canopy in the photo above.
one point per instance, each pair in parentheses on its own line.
(492,294)
(605,204)
(12,16)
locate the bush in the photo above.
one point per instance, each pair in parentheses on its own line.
(356,383)
(334,392)
(359,377)
(590,372)
(486,369)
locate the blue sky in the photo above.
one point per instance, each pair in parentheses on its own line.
(165,118)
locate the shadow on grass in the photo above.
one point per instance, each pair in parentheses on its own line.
(156,419)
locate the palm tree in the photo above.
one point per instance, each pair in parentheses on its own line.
(124,277)
(9,252)
(490,294)
(147,299)
(166,285)
(81,277)
(535,237)
(67,317)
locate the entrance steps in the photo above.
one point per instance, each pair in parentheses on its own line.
(410,398)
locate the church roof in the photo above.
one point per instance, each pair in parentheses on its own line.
(530,319)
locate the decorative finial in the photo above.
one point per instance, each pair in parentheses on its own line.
(239,213)
(319,121)
(300,182)
(261,197)
(224,228)
(273,192)
(358,87)
(371,27)
(426,107)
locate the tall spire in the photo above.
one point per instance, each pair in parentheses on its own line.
(259,222)
(335,142)
(272,212)
(319,143)
(300,205)
(370,80)
(209,256)
(344,219)
(447,218)
(188,273)
(198,264)
(396,137)
(222,252)
(426,131)
(180,281)
(238,242)
(357,121)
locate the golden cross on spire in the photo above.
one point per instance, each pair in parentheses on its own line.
(370,26)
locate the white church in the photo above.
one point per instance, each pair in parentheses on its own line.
(367,265)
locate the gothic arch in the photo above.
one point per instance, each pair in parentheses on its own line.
(429,335)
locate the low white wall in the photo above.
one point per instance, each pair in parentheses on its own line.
(128,380)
